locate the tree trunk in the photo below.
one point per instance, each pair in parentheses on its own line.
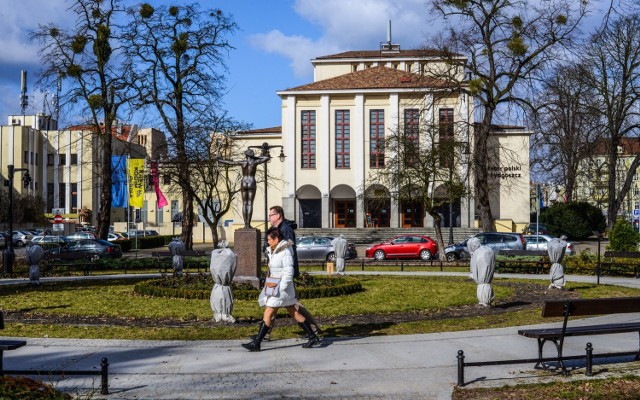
(104,212)
(481,160)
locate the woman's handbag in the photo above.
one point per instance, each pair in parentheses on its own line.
(272,286)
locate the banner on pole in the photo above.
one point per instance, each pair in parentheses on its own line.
(119,195)
(136,182)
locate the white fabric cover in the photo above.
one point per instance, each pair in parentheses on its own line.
(556,249)
(483,264)
(340,246)
(223,268)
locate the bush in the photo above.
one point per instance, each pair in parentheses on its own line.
(623,237)
(576,220)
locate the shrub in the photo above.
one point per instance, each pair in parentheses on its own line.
(623,237)
(577,220)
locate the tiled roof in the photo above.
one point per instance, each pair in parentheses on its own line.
(374,78)
(424,53)
(121,132)
(272,130)
(630,146)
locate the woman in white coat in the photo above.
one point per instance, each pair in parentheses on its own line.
(281,266)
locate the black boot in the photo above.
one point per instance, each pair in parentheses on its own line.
(254,345)
(267,337)
(313,339)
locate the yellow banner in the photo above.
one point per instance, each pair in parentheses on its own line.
(136,182)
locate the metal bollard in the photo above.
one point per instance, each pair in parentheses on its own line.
(589,367)
(104,373)
(460,368)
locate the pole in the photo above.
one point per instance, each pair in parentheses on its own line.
(9,255)
(450,206)
(265,152)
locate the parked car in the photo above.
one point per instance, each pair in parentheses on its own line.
(81,235)
(541,242)
(404,246)
(92,249)
(495,240)
(49,239)
(320,248)
(533,228)
(20,238)
(113,236)
(4,239)
(139,232)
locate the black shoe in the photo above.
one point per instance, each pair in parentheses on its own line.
(313,339)
(254,345)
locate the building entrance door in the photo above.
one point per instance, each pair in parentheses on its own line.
(412,214)
(345,213)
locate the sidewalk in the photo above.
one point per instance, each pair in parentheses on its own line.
(376,367)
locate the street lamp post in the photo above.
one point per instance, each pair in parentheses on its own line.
(266,148)
(9,255)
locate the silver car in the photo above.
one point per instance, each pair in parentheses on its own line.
(20,238)
(541,242)
(320,248)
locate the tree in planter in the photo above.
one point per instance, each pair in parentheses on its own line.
(623,237)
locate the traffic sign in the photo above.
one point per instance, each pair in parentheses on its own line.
(57,219)
(636,212)
(58,227)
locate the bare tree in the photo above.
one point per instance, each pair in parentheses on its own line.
(507,42)
(612,68)
(425,167)
(565,126)
(86,59)
(176,57)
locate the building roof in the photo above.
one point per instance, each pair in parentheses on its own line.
(118,131)
(272,130)
(375,78)
(629,146)
(356,54)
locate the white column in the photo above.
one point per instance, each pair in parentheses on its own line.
(394,125)
(358,162)
(80,151)
(324,157)
(67,174)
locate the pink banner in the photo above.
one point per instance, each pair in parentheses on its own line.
(156,185)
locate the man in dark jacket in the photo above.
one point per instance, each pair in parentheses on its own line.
(276,218)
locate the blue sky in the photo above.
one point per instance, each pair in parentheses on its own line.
(273,47)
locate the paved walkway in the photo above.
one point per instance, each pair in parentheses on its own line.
(377,367)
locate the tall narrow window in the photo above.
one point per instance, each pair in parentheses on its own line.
(74,197)
(74,159)
(446,137)
(411,135)
(343,141)
(376,138)
(308,140)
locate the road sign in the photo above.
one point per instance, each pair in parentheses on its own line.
(636,212)
(57,219)
(58,227)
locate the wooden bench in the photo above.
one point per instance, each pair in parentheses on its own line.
(583,307)
(622,260)
(6,345)
(167,257)
(536,260)
(70,261)
(566,309)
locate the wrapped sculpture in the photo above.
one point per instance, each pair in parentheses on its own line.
(223,268)
(176,247)
(34,255)
(483,265)
(556,249)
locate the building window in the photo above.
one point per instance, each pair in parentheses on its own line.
(63,159)
(166,179)
(308,140)
(50,159)
(26,157)
(74,197)
(411,135)
(62,194)
(343,141)
(50,204)
(36,158)
(74,159)
(446,137)
(376,138)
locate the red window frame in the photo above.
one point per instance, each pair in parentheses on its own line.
(411,134)
(446,136)
(376,138)
(308,139)
(343,139)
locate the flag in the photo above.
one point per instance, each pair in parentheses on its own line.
(156,185)
(119,196)
(136,182)
(540,198)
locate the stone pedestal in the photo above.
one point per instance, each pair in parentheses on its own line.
(247,242)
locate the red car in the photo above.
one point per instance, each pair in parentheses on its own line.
(404,246)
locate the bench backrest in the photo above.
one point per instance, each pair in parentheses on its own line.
(194,253)
(1,320)
(577,307)
(622,254)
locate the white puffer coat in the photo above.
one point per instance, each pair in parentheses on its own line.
(281,266)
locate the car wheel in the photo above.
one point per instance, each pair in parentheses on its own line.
(425,255)
(94,258)
(452,257)
(331,257)
(19,243)
(379,255)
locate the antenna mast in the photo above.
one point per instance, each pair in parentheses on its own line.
(24,99)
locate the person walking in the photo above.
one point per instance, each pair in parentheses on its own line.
(281,266)
(276,219)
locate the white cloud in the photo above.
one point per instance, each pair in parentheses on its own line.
(346,25)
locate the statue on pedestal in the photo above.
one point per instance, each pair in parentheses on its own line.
(248,185)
